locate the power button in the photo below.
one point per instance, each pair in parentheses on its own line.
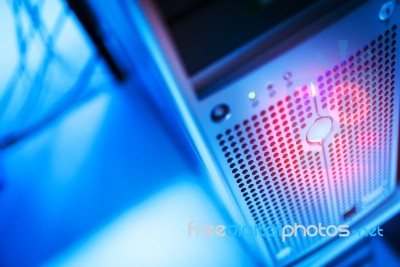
(220,112)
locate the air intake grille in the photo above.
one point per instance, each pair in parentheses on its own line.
(363,104)
(283,180)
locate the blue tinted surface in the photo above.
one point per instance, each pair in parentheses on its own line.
(48,64)
(109,185)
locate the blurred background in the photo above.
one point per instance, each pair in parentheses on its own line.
(91,173)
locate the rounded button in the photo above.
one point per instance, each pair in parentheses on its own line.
(220,112)
(319,130)
(386,11)
(287,76)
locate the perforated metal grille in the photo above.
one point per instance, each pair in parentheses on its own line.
(280,182)
(283,181)
(362,101)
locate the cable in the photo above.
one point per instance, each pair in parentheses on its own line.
(26,105)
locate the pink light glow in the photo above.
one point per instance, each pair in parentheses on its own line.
(349,103)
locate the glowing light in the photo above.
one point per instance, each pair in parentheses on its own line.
(359,103)
(252,95)
(313,89)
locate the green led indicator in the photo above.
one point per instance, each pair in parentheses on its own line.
(252,95)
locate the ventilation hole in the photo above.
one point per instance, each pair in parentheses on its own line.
(278,177)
